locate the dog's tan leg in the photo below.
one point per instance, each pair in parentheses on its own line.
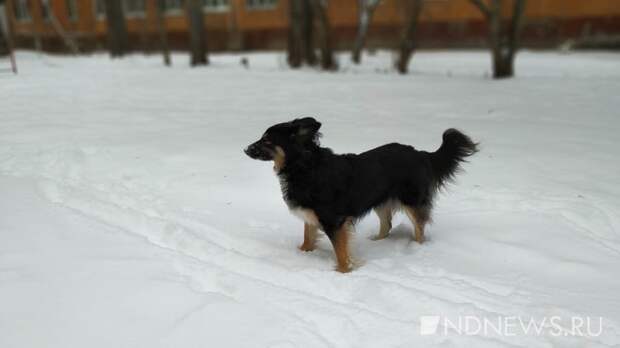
(310,235)
(419,217)
(385,222)
(340,242)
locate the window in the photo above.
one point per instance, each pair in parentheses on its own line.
(72,12)
(261,4)
(173,5)
(134,7)
(22,12)
(45,10)
(215,5)
(99,8)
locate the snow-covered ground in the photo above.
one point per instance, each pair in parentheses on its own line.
(130,217)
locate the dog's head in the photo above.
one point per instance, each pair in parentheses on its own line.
(284,139)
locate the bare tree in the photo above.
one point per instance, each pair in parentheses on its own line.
(504,41)
(197,34)
(118,42)
(161,28)
(295,38)
(4,39)
(301,34)
(366,9)
(307,26)
(66,38)
(6,45)
(319,8)
(407,43)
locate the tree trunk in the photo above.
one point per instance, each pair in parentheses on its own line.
(308,33)
(300,38)
(198,42)
(163,34)
(506,69)
(118,41)
(407,44)
(319,8)
(295,37)
(504,43)
(366,10)
(4,39)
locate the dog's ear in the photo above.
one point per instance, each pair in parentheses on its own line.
(306,128)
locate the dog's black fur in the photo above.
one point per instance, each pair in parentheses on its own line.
(341,187)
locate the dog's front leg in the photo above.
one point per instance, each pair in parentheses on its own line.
(310,235)
(340,241)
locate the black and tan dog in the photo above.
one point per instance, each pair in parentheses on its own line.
(330,192)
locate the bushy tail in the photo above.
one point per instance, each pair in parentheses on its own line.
(446,161)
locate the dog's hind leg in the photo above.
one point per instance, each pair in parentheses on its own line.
(310,235)
(384,213)
(419,216)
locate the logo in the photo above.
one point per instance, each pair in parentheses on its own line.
(470,325)
(429,324)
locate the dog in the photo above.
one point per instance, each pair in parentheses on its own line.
(330,192)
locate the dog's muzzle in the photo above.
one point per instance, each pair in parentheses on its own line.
(258,151)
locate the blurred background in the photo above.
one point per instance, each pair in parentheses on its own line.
(82,26)
(264,24)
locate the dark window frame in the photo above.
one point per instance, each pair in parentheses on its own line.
(72,10)
(261,5)
(21,10)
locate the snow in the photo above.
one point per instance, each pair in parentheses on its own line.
(132,218)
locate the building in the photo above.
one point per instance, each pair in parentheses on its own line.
(263,24)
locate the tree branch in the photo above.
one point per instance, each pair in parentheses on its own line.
(482,7)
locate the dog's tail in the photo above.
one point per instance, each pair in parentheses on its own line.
(446,161)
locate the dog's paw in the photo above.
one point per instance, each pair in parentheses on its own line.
(352,264)
(417,240)
(378,237)
(306,248)
(344,268)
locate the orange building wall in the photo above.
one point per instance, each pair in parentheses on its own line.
(82,25)
(444,21)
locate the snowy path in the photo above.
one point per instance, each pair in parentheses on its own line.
(133,219)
